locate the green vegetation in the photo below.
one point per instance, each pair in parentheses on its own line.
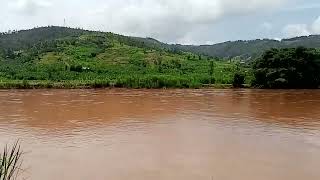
(238,80)
(72,58)
(58,57)
(10,162)
(288,68)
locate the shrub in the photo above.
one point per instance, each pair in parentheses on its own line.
(238,80)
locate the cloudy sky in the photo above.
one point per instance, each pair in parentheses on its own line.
(172,21)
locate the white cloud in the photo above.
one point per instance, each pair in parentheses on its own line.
(316,26)
(277,39)
(293,30)
(168,20)
(175,18)
(267,26)
(28,7)
(305,6)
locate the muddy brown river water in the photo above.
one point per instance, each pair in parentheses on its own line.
(164,134)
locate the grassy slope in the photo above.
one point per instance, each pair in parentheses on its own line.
(92,59)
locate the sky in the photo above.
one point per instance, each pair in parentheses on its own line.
(171,21)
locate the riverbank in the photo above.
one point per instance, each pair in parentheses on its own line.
(18,84)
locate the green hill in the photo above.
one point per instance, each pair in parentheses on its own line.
(251,49)
(72,58)
(244,49)
(241,49)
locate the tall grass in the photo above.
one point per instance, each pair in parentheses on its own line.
(10,162)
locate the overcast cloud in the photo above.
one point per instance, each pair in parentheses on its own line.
(293,30)
(174,21)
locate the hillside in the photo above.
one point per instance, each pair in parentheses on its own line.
(230,49)
(72,58)
(66,57)
(241,49)
(254,48)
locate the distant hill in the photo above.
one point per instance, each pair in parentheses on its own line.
(243,49)
(253,48)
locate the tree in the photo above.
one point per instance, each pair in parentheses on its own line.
(9,54)
(238,80)
(288,68)
(211,70)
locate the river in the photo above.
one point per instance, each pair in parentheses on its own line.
(124,134)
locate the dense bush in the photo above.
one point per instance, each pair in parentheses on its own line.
(238,80)
(288,68)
